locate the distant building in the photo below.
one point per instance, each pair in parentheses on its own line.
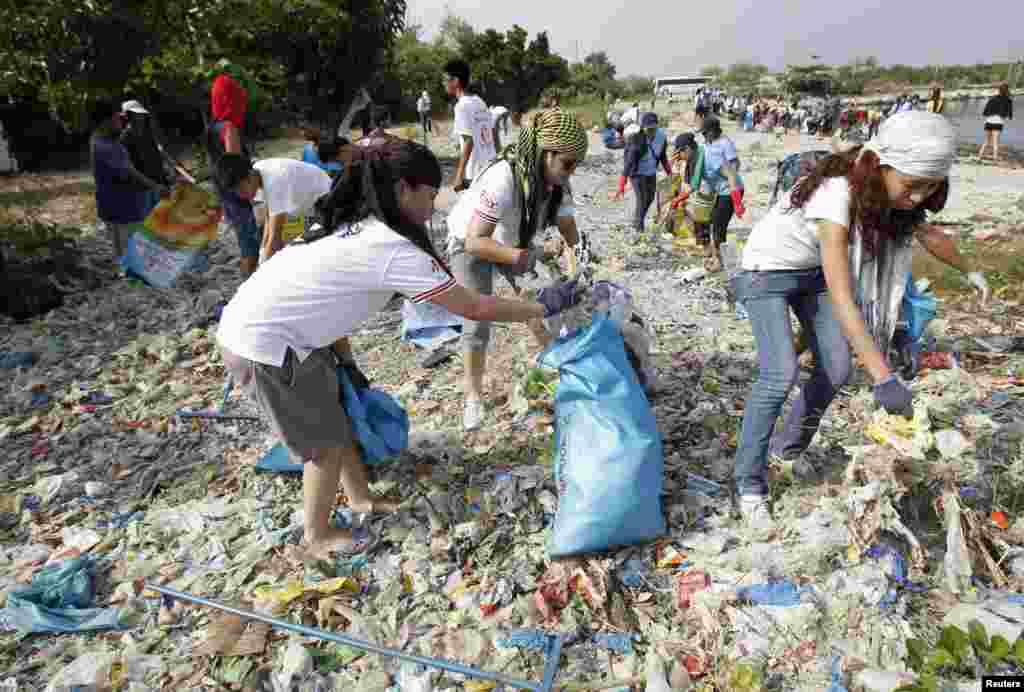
(680,86)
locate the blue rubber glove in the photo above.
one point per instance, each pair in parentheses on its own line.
(894,397)
(559,298)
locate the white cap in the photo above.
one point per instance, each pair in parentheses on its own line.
(133,107)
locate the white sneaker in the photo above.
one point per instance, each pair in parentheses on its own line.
(472,414)
(756,512)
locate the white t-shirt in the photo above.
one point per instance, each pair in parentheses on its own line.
(632,115)
(290,186)
(307,296)
(498,111)
(785,240)
(423,104)
(472,119)
(493,197)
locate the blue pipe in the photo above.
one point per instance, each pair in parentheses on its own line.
(554,648)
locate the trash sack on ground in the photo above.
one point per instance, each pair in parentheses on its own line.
(428,325)
(172,239)
(59,599)
(380,424)
(608,449)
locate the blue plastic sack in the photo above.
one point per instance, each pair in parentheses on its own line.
(608,450)
(59,599)
(918,310)
(778,593)
(380,424)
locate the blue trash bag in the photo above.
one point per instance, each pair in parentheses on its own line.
(609,461)
(59,599)
(380,424)
(918,310)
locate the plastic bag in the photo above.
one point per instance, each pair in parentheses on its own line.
(380,424)
(609,460)
(918,309)
(59,599)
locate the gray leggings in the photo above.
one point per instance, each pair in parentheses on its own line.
(477,274)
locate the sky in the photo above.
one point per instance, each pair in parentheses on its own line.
(678,38)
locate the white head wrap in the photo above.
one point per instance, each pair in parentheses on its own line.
(916,143)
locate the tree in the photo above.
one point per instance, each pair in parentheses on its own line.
(602,66)
(745,73)
(455,34)
(712,71)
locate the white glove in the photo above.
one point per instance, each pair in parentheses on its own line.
(977,280)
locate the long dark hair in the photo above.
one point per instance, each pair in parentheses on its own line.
(370,191)
(871,213)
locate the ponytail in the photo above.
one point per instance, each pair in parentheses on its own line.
(369,190)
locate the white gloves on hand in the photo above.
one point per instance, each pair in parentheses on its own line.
(977,280)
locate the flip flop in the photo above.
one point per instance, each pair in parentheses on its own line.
(363,543)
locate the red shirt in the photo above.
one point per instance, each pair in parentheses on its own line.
(228,102)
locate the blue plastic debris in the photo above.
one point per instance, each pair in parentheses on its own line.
(779,593)
(278,460)
(632,573)
(59,599)
(17,359)
(615,641)
(837,676)
(532,640)
(39,400)
(898,573)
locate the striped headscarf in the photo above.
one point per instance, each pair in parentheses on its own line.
(552,130)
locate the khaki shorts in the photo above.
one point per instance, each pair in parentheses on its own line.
(301,399)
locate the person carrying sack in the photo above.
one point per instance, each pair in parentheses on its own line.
(644,151)
(719,192)
(285,332)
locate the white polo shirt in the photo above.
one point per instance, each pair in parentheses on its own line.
(307,296)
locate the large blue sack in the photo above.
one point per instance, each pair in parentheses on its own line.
(608,453)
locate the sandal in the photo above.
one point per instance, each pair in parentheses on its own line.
(363,543)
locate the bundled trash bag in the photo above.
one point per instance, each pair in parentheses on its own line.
(380,424)
(605,297)
(917,309)
(608,450)
(59,599)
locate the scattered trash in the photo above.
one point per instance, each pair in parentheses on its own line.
(18,359)
(59,599)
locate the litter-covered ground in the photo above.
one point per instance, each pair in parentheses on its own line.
(888,530)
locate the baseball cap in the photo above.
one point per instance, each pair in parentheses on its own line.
(133,107)
(648,120)
(684,141)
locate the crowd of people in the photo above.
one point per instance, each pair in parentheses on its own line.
(828,251)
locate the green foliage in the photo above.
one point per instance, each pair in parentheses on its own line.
(316,52)
(972,653)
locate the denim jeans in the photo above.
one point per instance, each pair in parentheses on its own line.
(768,298)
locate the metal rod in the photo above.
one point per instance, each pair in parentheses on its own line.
(551,665)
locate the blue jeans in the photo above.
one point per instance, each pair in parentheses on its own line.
(768,298)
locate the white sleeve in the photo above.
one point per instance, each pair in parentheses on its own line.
(463,120)
(415,274)
(496,194)
(830,202)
